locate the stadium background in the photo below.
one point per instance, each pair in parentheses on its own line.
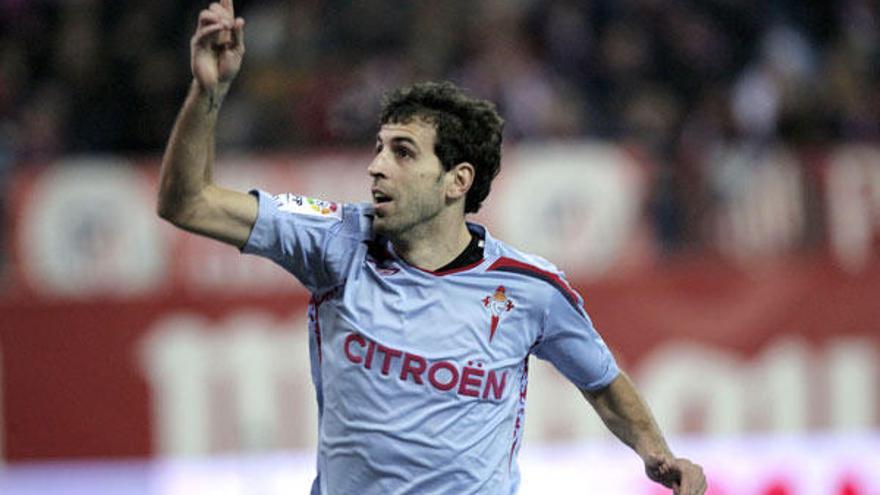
(707,173)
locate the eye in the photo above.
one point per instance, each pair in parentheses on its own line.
(378,148)
(402,152)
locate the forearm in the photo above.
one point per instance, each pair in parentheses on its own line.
(626,414)
(187,165)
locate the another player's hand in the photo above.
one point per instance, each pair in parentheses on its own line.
(682,475)
(217,47)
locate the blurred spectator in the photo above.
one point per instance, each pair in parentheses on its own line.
(676,78)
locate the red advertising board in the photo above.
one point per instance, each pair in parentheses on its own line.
(120,336)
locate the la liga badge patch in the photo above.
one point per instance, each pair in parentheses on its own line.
(303,205)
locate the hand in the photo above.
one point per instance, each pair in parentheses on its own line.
(682,475)
(217,47)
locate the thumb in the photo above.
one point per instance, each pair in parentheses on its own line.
(237,35)
(663,471)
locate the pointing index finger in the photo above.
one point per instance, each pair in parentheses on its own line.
(225,37)
(227,4)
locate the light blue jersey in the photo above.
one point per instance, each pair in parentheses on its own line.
(420,376)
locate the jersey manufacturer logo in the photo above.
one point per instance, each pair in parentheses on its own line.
(302,205)
(498,305)
(380,259)
(383,268)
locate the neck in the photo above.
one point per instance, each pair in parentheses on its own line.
(430,247)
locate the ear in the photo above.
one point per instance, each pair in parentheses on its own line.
(461,178)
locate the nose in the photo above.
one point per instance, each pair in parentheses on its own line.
(376,167)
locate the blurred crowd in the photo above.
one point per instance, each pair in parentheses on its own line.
(670,76)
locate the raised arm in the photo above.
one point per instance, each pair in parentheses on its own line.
(625,413)
(187,196)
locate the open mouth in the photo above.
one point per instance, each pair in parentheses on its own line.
(380,198)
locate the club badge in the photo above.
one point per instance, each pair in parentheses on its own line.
(498,305)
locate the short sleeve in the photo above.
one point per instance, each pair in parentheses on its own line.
(571,343)
(302,235)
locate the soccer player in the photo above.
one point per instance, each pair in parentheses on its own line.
(422,324)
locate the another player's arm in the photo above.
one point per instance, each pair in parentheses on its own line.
(187,196)
(626,414)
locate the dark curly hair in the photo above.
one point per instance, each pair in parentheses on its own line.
(468,129)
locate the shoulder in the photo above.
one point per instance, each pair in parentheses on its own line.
(349,216)
(305,206)
(312,221)
(508,259)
